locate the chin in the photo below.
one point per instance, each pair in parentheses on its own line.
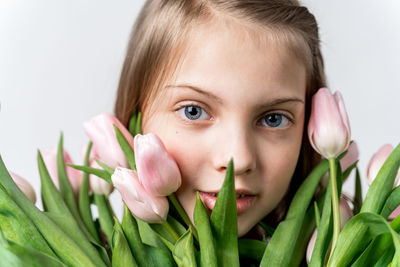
(244,226)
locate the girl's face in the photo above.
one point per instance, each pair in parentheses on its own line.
(232,98)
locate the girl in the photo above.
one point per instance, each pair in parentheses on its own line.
(227,79)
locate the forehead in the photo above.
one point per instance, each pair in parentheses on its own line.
(220,55)
(227,57)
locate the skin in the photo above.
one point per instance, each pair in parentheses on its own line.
(247,102)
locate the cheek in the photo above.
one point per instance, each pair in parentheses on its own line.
(188,155)
(282,161)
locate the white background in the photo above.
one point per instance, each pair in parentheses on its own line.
(60,63)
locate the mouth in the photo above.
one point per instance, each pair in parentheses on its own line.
(244,200)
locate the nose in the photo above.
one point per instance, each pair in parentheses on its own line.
(240,146)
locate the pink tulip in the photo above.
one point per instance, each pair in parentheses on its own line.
(345,212)
(101,132)
(97,185)
(395,213)
(24,186)
(157,171)
(377,161)
(351,157)
(310,246)
(329,127)
(74,175)
(142,204)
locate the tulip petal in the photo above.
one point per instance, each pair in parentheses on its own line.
(351,157)
(98,185)
(328,128)
(24,186)
(74,176)
(377,161)
(100,130)
(147,207)
(157,171)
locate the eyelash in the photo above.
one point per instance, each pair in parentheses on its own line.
(288,118)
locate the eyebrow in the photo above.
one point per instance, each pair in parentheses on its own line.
(198,90)
(273,102)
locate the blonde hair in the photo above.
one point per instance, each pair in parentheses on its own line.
(160,34)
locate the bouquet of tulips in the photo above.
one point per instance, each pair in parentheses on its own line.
(319,229)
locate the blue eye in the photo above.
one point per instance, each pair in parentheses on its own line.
(193,113)
(275,120)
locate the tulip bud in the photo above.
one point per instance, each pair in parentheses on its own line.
(310,246)
(377,161)
(329,127)
(74,176)
(345,212)
(24,186)
(97,185)
(351,157)
(142,204)
(158,172)
(101,132)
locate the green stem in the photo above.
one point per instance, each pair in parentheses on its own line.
(183,214)
(171,231)
(105,217)
(335,202)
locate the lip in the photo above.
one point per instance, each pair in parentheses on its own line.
(244,199)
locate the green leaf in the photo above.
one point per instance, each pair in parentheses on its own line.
(138,128)
(183,251)
(51,197)
(150,237)
(281,244)
(156,254)
(392,202)
(56,205)
(371,225)
(175,209)
(224,222)
(357,203)
(206,239)
(159,257)
(386,258)
(251,248)
(67,250)
(306,229)
(103,174)
(105,217)
(126,148)
(382,184)
(69,226)
(105,166)
(374,251)
(13,254)
(132,123)
(131,231)
(317,214)
(324,234)
(65,187)
(84,201)
(177,226)
(17,227)
(268,229)
(122,255)
(379,246)
(347,172)
(166,232)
